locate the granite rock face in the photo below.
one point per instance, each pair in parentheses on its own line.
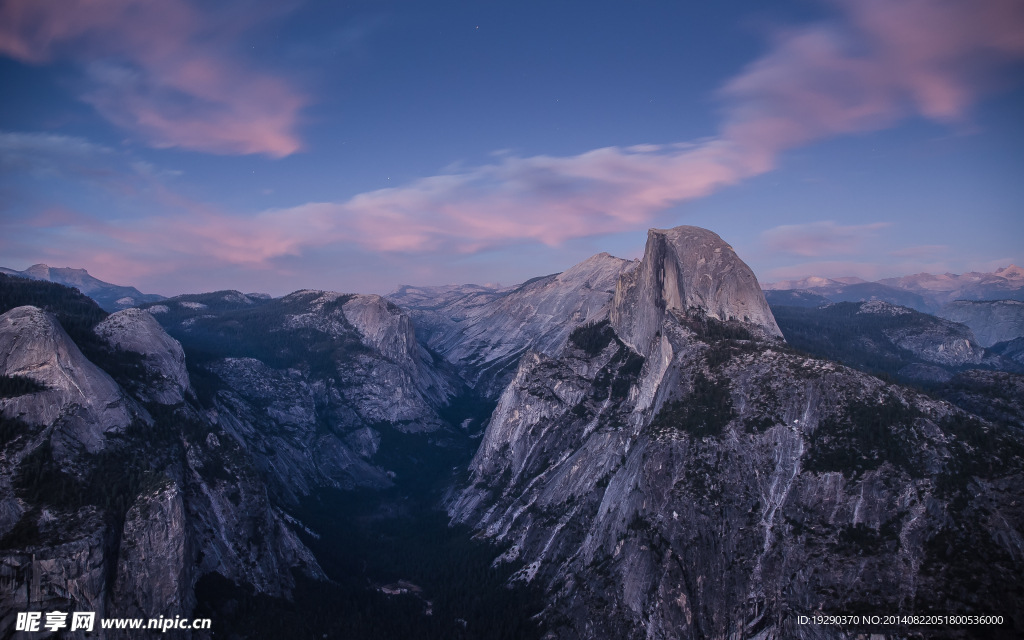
(51,577)
(992,321)
(678,474)
(81,403)
(365,344)
(138,331)
(155,566)
(484,332)
(687,269)
(198,489)
(749,491)
(942,342)
(279,415)
(398,382)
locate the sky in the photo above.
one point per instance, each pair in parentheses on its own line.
(182,146)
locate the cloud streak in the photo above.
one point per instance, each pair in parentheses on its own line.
(883,61)
(158,69)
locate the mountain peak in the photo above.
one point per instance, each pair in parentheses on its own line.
(40,271)
(1012,271)
(687,269)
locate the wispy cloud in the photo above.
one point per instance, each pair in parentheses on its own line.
(158,69)
(817,239)
(881,62)
(884,61)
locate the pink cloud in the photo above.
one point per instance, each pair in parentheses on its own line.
(889,59)
(159,70)
(885,61)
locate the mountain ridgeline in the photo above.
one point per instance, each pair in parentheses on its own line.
(143,476)
(627,449)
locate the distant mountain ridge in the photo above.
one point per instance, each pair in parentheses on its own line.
(484,331)
(110,297)
(992,321)
(921,291)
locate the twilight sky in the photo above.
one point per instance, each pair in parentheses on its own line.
(183,146)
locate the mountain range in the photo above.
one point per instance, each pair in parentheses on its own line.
(923,291)
(110,297)
(645,448)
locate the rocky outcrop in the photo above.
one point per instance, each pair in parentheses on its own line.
(156,560)
(190,486)
(388,331)
(939,341)
(234,516)
(280,416)
(991,321)
(484,332)
(690,482)
(80,402)
(364,345)
(72,574)
(754,492)
(687,271)
(137,331)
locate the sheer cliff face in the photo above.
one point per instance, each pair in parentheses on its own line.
(82,450)
(485,332)
(364,344)
(404,379)
(992,321)
(691,478)
(687,270)
(118,493)
(81,403)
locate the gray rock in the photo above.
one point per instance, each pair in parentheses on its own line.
(484,331)
(392,380)
(942,342)
(277,415)
(156,560)
(137,331)
(715,488)
(81,402)
(991,321)
(68,576)
(364,442)
(686,270)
